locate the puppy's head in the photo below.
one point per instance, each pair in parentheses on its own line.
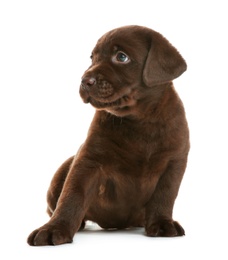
(126,62)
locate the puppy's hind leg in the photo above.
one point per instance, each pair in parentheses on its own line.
(56,185)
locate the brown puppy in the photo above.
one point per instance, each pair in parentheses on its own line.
(128,171)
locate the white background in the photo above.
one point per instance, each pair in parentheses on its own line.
(44,49)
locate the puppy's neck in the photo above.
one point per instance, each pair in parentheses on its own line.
(154,103)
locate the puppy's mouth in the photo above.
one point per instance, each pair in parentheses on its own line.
(115,101)
(122,102)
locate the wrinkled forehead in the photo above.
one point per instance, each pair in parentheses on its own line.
(134,42)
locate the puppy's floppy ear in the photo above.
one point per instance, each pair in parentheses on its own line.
(163,63)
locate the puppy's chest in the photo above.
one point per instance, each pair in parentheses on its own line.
(129,158)
(130,154)
(142,145)
(130,164)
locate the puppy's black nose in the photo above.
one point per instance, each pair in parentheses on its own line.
(88,82)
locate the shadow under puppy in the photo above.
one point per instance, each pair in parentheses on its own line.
(129,169)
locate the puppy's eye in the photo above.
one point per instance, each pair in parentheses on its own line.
(121,57)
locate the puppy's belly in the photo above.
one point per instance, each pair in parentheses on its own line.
(117,206)
(115,217)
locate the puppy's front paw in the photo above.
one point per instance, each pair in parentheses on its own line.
(49,235)
(165,228)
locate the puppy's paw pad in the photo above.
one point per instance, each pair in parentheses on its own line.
(165,228)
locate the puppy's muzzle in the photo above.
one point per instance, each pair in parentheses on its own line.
(96,87)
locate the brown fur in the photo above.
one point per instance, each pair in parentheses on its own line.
(129,169)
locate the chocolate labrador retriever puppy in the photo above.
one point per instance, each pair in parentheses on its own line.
(129,169)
